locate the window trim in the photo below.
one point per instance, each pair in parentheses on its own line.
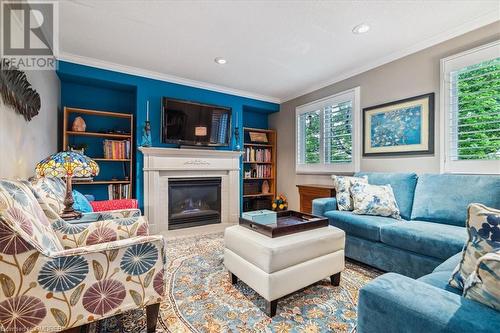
(448,64)
(329,168)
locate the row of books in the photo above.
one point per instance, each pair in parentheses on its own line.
(116,150)
(118,191)
(252,154)
(260,171)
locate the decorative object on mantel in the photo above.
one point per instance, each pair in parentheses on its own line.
(404,127)
(68,164)
(237,132)
(146,135)
(79,125)
(280,202)
(17,92)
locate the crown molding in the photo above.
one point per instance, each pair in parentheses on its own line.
(87,61)
(442,37)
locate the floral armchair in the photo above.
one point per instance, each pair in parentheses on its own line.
(55,276)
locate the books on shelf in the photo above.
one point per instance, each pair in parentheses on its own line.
(116,149)
(252,154)
(260,171)
(118,191)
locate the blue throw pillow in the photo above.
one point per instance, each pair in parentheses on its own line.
(81,203)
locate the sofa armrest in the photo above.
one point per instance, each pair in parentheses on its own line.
(323,205)
(394,303)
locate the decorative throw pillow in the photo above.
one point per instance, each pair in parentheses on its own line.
(342,186)
(483,285)
(374,200)
(81,203)
(483,227)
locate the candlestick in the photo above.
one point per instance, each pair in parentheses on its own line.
(147,110)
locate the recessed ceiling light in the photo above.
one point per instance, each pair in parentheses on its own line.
(360,28)
(220,60)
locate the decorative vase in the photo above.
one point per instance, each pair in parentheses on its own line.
(146,134)
(79,125)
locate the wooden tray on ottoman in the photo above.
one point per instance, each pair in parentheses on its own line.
(287,222)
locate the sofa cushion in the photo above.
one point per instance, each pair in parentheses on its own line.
(483,285)
(431,239)
(444,198)
(374,200)
(483,228)
(450,264)
(440,280)
(343,186)
(363,226)
(403,186)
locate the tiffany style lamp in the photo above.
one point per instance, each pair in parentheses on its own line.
(68,164)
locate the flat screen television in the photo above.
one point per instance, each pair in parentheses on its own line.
(191,123)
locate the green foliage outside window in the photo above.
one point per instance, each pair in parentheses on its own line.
(312,140)
(478,90)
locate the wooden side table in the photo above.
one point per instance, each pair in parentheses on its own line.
(309,192)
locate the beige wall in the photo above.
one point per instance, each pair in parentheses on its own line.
(22,143)
(406,77)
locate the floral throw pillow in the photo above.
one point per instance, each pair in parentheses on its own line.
(374,200)
(483,285)
(483,227)
(342,186)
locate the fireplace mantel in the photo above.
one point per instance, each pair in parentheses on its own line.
(161,164)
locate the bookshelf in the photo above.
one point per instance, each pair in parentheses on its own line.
(259,166)
(117,163)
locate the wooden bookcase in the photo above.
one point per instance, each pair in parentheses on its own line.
(106,124)
(255,199)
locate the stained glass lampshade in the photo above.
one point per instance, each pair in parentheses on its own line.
(68,164)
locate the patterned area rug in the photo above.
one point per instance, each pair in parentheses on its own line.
(202,299)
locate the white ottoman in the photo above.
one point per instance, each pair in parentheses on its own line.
(275,267)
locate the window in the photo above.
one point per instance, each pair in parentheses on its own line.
(328,134)
(470,99)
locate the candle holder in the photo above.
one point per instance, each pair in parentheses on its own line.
(237,137)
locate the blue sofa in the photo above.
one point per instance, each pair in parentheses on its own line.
(425,245)
(433,208)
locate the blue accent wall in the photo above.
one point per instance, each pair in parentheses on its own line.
(100,89)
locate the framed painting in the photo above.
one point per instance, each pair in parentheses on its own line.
(404,127)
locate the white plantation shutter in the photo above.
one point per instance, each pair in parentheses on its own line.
(471,102)
(338,132)
(328,134)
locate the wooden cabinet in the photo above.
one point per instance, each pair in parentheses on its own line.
(309,192)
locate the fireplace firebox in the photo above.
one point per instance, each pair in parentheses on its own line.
(193,202)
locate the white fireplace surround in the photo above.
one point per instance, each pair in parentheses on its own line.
(162,164)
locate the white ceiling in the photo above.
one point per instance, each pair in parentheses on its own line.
(276,50)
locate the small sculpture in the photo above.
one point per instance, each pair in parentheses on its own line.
(265,187)
(79,125)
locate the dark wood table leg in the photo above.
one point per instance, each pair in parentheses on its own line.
(78,329)
(335,279)
(152,317)
(271,308)
(234,278)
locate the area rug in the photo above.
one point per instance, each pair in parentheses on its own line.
(201,298)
